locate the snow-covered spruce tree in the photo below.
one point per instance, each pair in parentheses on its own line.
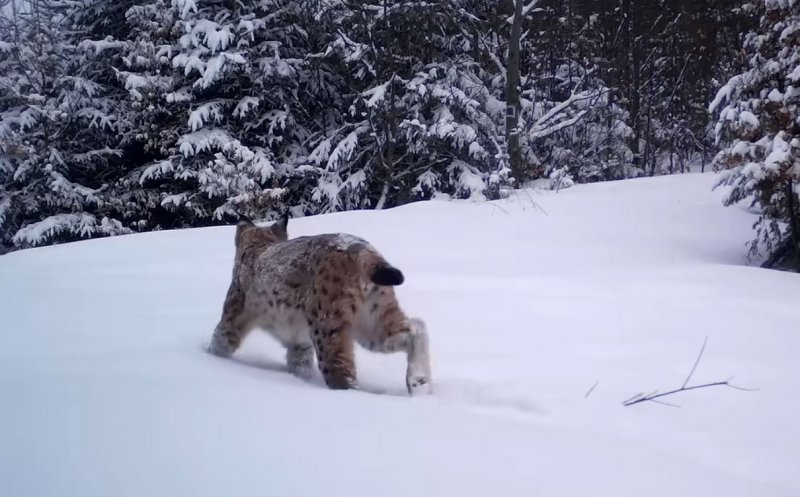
(235,79)
(758,122)
(154,122)
(416,115)
(58,125)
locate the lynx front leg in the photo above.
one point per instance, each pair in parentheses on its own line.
(300,360)
(233,326)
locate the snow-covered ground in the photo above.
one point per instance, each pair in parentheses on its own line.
(106,389)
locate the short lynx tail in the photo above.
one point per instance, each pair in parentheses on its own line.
(386,275)
(375,267)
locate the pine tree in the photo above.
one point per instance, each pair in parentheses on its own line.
(416,116)
(758,111)
(58,125)
(120,116)
(232,85)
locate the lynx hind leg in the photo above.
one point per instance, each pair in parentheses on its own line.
(232,327)
(300,360)
(395,333)
(418,374)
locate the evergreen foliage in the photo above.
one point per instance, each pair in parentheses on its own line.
(126,116)
(758,122)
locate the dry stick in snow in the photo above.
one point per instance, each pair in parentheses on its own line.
(651,397)
(591,389)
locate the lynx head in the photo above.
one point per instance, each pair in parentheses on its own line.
(249,235)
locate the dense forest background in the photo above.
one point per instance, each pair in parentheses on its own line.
(121,116)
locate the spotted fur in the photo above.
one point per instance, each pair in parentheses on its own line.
(318,295)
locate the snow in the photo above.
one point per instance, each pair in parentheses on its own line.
(725,93)
(749,118)
(185,6)
(376,95)
(81,224)
(426,181)
(156,170)
(321,152)
(468,179)
(344,149)
(203,140)
(107,389)
(205,113)
(245,106)
(776,96)
(780,153)
(215,37)
(5,206)
(99,46)
(794,75)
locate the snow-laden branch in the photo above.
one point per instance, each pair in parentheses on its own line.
(526,9)
(545,125)
(529,7)
(575,97)
(549,130)
(500,67)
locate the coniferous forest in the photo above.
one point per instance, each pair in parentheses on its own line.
(121,116)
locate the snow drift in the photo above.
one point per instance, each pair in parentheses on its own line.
(107,391)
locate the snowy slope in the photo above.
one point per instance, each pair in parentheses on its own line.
(106,389)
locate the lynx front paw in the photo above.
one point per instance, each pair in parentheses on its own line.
(219,348)
(340,382)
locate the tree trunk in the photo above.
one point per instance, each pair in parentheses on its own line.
(794,222)
(703,164)
(513,98)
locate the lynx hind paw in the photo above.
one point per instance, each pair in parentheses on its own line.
(304,372)
(419,385)
(418,375)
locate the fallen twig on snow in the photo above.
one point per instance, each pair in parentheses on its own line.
(653,396)
(591,389)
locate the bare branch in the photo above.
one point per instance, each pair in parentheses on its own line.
(696,362)
(633,398)
(652,397)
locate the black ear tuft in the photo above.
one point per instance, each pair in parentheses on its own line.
(243,225)
(245,221)
(283,223)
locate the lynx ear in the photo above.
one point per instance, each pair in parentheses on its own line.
(280,227)
(283,223)
(241,227)
(244,222)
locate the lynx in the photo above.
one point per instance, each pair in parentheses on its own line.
(319,294)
